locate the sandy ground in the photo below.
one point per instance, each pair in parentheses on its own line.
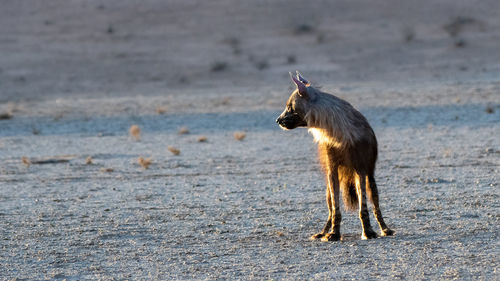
(75,75)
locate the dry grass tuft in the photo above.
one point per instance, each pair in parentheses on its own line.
(202,139)
(239,135)
(89,161)
(174,150)
(26,161)
(135,132)
(183,131)
(144,162)
(161,110)
(107,170)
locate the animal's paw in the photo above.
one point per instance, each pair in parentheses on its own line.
(387,232)
(317,236)
(331,237)
(368,234)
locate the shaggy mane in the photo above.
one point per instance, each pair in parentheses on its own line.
(333,121)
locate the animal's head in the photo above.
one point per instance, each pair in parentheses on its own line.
(297,104)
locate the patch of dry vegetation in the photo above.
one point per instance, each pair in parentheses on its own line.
(161,110)
(183,131)
(144,162)
(174,150)
(26,161)
(89,161)
(239,135)
(135,132)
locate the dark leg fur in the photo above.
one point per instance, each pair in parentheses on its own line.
(331,231)
(373,194)
(368,232)
(334,186)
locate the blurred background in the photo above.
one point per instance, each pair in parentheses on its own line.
(91,49)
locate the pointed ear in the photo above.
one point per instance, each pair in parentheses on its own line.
(301,87)
(302,79)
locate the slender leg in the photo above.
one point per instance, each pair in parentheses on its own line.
(368,232)
(328,224)
(385,231)
(336,217)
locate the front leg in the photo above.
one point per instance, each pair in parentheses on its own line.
(328,224)
(336,217)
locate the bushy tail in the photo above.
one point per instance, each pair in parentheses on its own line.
(349,196)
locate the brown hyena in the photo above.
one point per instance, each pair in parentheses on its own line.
(347,149)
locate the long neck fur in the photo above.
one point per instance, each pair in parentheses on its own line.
(333,121)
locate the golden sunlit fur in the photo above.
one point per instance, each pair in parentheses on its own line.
(333,121)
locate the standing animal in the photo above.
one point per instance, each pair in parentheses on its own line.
(347,150)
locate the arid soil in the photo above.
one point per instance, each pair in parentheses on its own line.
(221,192)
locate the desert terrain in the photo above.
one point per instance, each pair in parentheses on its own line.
(222,192)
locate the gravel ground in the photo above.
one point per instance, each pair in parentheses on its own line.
(244,209)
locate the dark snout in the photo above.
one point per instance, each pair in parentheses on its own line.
(290,121)
(282,121)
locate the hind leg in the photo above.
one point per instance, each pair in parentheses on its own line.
(385,231)
(328,224)
(368,232)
